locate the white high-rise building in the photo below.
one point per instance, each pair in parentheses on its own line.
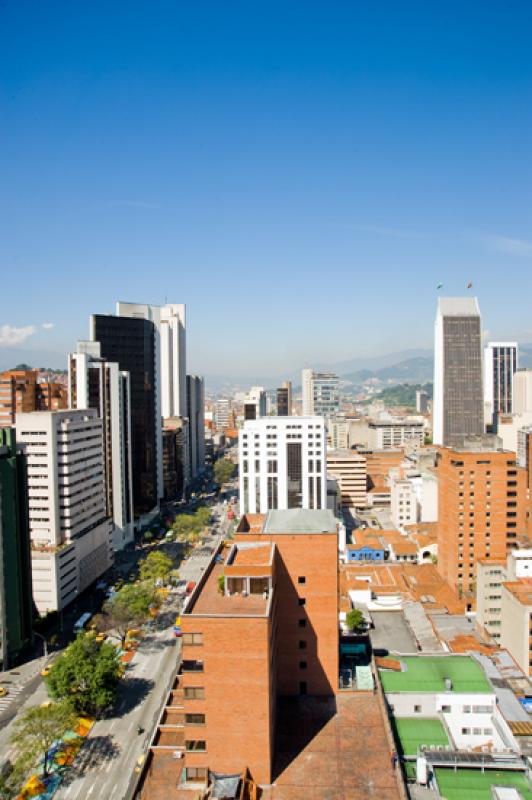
(523,391)
(222,410)
(321,393)
(99,384)
(255,403)
(70,532)
(282,464)
(500,365)
(458,405)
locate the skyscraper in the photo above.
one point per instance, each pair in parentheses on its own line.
(458,407)
(282,464)
(255,403)
(196,416)
(15,562)
(500,365)
(130,342)
(321,393)
(99,384)
(284,400)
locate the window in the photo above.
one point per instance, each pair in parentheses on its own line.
(194,693)
(302,623)
(466,731)
(194,719)
(302,687)
(193,638)
(302,644)
(482,709)
(301,579)
(446,709)
(466,709)
(477,731)
(302,665)
(196,773)
(417,709)
(301,601)
(199,745)
(191,665)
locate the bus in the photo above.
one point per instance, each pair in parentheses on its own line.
(82,621)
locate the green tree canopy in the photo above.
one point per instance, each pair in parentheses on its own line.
(156,566)
(224,469)
(86,674)
(128,608)
(37,730)
(354,619)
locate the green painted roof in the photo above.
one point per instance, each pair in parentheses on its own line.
(428,673)
(300,520)
(411,733)
(472,784)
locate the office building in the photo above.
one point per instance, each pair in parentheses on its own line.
(261,624)
(481,508)
(458,405)
(24,390)
(255,403)
(522,391)
(70,532)
(321,393)
(422,401)
(102,385)
(393,432)
(196,416)
(500,365)
(282,464)
(284,400)
(222,413)
(16,611)
(131,343)
(176,458)
(350,470)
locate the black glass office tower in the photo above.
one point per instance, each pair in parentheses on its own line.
(131,343)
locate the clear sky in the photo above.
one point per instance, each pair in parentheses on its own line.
(300,174)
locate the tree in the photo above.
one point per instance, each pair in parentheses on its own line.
(224,469)
(203,516)
(147,537)
(157,566)
(13,774)
(86,675)
(354,619)
(38,728)
(127,609)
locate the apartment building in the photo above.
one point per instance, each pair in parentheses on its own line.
(262,623)
(321,393)
(458,406)
(16,612)
(396,432)
(516,621)
(23,391)
(482,508)
(349,468)
(222,413)
(413,496)
(102,385)
(282,464)
(70,532)
(338,433)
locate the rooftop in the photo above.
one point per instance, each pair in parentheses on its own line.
(521,590)
(300,520)
(428,674)
(256,555)
(411,733)
(474,784)
(458,307)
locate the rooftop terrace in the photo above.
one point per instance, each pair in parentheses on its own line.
(411,733)
(473,784)
(428,674)
(300,520)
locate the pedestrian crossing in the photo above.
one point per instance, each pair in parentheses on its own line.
(13,691)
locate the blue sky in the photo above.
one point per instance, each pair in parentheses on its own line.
(300,174)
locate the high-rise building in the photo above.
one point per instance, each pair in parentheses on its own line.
(458,405)
(99,384)
(321,393)
(522,399)
(284,400)
(15,563)
(23,390)
(176,457)
(255,403)
(282,464)
(131,343)
(70,532)
(422,401)
(222,412)
(266,609)
(500,365)
(481,508)
(196,415)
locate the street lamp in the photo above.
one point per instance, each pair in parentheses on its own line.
(45,642)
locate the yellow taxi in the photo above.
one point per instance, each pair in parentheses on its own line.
(3,692)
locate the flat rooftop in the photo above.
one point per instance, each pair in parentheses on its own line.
(521,590)
(208,600)
(473,784)
(428,674)
(300,520)
(254,555)
(411,733)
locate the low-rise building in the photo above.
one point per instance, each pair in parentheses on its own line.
(495,616)
(349,467)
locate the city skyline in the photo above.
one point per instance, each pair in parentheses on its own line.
(265,163)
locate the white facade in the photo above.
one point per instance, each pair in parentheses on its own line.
(111,397)
(523,391)
(255,403)
(390,433)
(222,411)
(338,433)
(282,464)
(350,470)
(321,393)
(491,615)
(413,497)
(500,364)
(71,536)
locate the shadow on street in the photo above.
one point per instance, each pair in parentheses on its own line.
(132,692)
(96,751)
